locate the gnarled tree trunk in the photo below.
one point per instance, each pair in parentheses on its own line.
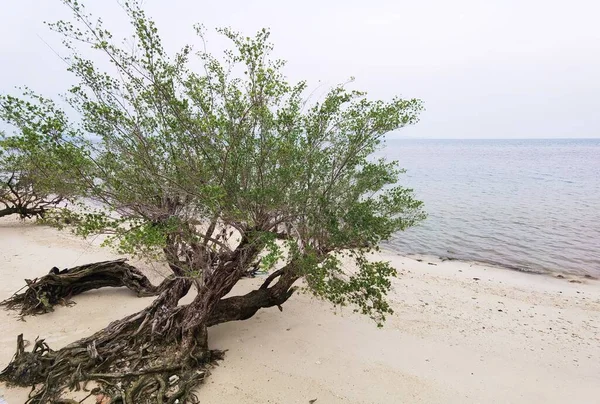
(42,294)
(133,359)
(23,212)
(245,306)
(157,355)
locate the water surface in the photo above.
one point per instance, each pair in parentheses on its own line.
(529,204)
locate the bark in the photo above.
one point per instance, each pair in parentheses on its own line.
(42,294)
(22,212)
(245,306)
(134,360)
(157,355)
(20,197)
(218,283)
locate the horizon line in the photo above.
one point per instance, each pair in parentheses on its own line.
(495,138)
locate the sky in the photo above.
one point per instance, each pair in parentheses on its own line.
(484,69)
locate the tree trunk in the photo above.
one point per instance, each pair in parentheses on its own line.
(245,306)
(196,315)
(22,212)
(7,211)
(42,294)
(157,355)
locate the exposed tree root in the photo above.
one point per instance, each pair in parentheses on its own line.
(141,358)
(42,294)
(133,360)
(161,375)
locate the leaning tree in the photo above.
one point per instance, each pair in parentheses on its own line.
(214,170)
(33,161)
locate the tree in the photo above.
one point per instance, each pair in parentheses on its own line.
(215,172)
(33,161)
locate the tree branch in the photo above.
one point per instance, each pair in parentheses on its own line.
(245,306)
(271,278)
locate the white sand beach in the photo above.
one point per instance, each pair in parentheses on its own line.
(461,333)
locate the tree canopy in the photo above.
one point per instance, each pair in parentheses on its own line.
(217,169)
(177,154)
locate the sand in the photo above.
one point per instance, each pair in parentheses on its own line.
(461,333)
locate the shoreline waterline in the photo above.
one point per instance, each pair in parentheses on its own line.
(460,333)
(529,205)
(435,260)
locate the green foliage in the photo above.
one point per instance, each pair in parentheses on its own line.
(44,146)
(273,253)
(38,159)
(200,164)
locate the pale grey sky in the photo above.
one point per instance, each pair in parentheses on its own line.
(485,68)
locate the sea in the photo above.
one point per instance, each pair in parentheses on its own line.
(529,205)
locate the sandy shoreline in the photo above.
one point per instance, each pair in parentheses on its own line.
(462,333)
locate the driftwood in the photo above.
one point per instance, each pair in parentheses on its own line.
(59,286)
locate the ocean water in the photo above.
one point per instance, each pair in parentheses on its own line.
(531,205)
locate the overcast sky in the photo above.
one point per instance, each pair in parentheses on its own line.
(485,69)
